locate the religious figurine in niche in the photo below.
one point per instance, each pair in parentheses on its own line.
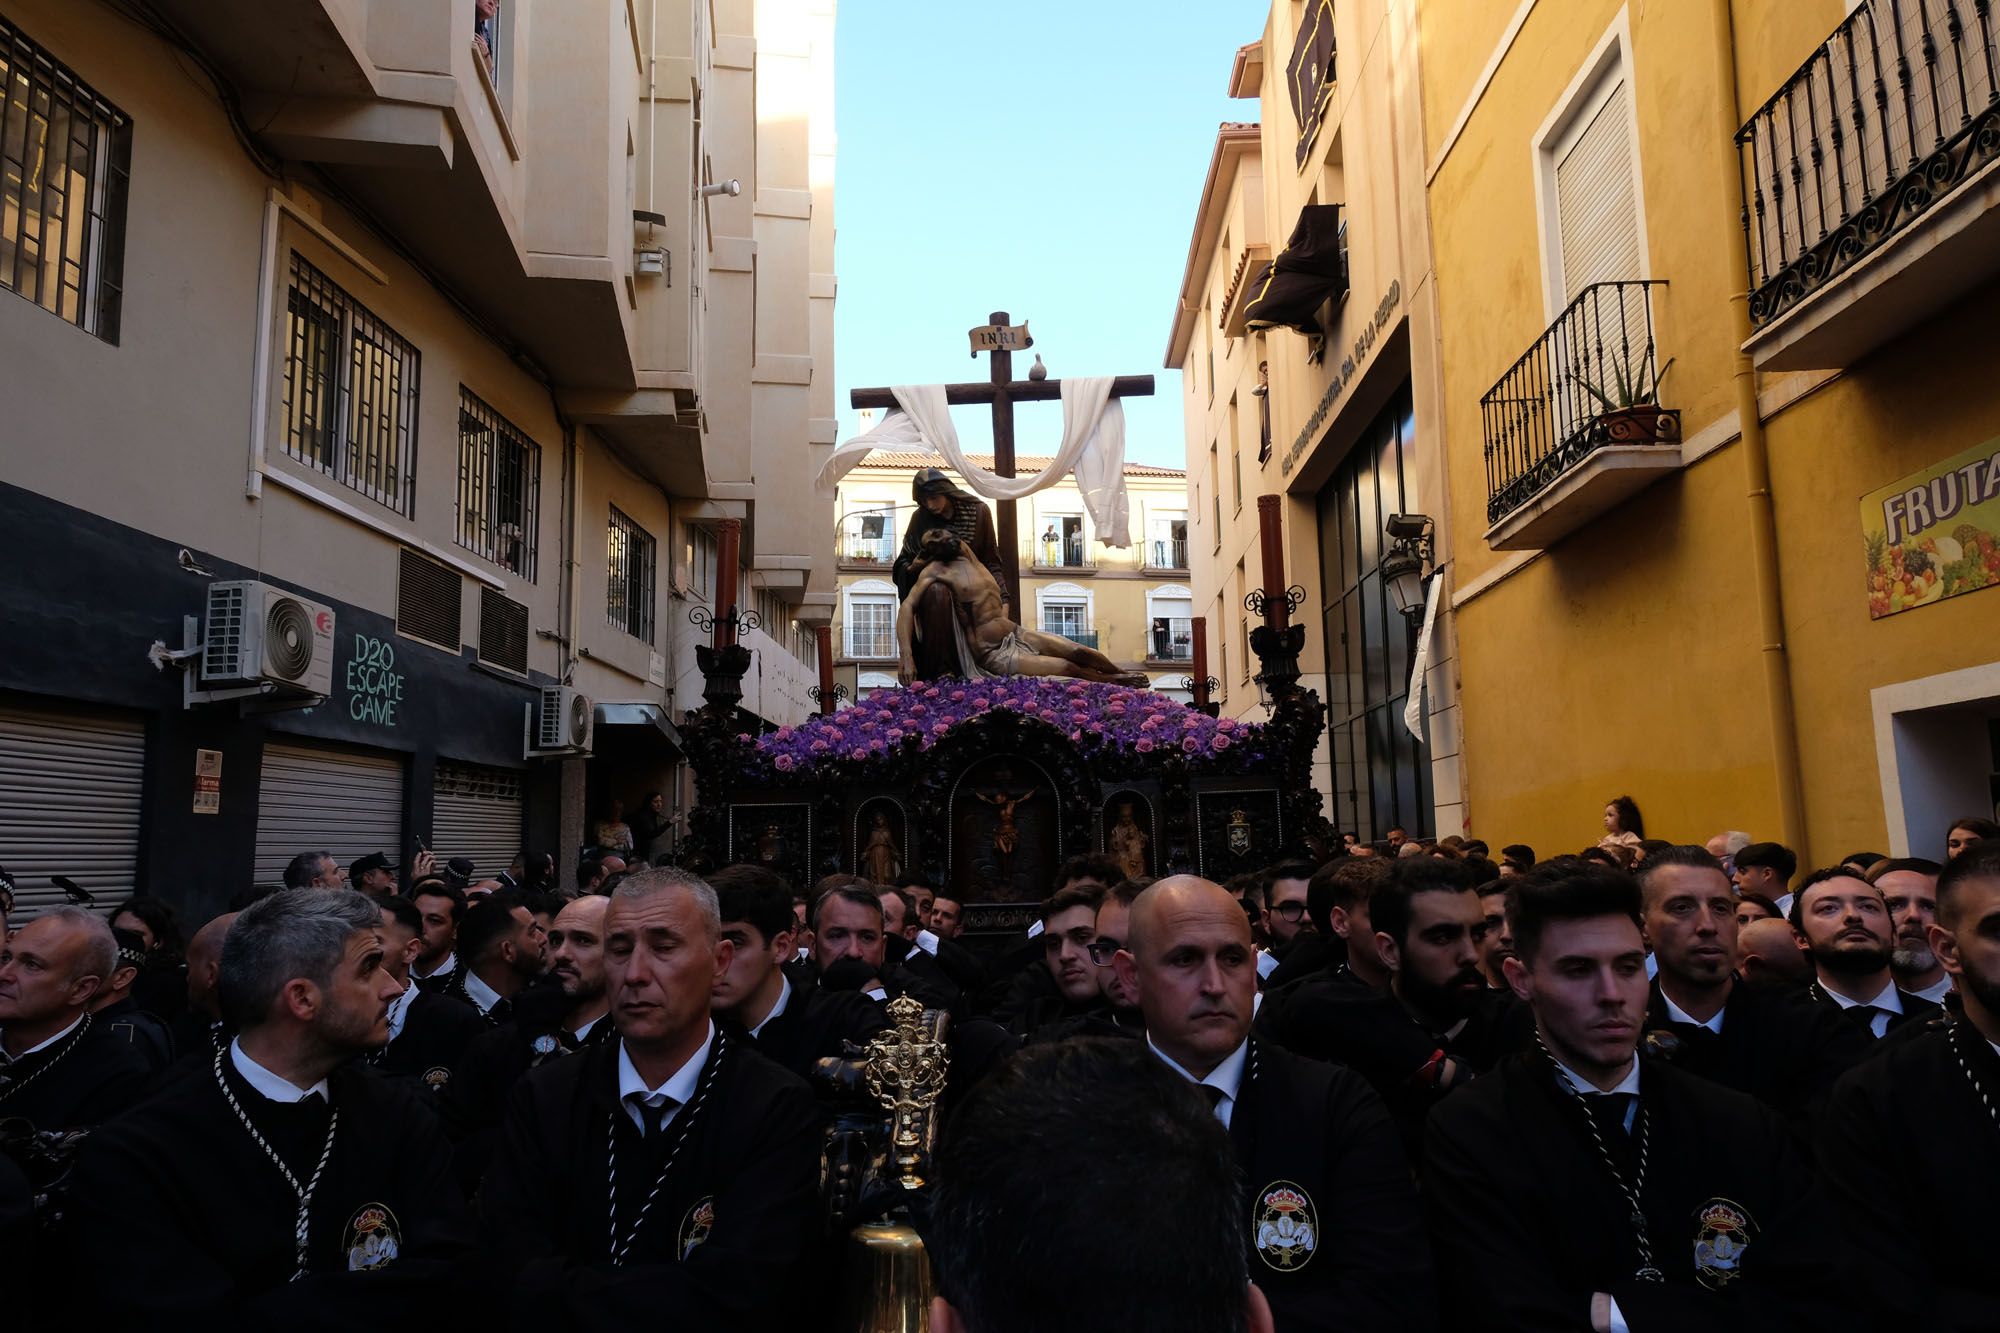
(1006,835)
(1239,834)
(989,643)
(1128,843)
(881,858)
(943,505)
(770,846)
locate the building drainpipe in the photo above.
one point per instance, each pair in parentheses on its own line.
(1757,457)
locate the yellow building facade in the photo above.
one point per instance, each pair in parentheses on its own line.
(1335,409)
(1132,603)
(1711,310)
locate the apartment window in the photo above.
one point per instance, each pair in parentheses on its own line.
(629,578)
(1215,495)
(350,392)
(871,620)
(499,487)
(65,163)
(1593,181)
(1167,543)
(1235,456)
(701,560)
(1069,619)
(1061,543)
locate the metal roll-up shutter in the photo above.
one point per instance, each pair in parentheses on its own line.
(476,812)
(348,802)
(70,786)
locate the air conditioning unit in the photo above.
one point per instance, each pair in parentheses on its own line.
(560,722)
(255,633)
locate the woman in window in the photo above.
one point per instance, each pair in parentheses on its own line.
(613,833)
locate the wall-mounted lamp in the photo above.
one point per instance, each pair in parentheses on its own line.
(1407,567)
(732,188)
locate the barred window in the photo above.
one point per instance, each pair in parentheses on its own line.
(350,391)
(871,627)
(65,163)
(499,487)
(629,583)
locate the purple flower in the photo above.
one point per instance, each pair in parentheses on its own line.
(895,734)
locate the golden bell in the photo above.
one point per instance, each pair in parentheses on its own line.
(889,1285)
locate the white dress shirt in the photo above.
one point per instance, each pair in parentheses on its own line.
(1628,1085)
(1679,1015)
(583,1030)
(1890,1000)
(6,1059)
(1936,992)
(481,994)
(678,1088)
(399,1008)
(928,942)
(784,998)
(445,965)
(269,1085)
(1226,1078)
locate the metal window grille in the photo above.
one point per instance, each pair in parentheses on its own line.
(499,487)
(1069,619)
(350,391)
(503,631)
(871,627)
(65,164)
(1172,639)
(629,582)
(428,600)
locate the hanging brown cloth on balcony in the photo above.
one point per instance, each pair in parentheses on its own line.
(1288,291)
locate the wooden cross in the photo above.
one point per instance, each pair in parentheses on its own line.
(1003,391)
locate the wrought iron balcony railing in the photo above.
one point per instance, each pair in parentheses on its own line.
(1888,116)
(871,536)
(1056,554)
(1171,640)
(1590,380)
(1086,637)
(1167,553)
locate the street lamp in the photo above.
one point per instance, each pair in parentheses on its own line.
(1407,566)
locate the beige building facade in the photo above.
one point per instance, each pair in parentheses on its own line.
(1338,415)
(458,335)
(1131,603)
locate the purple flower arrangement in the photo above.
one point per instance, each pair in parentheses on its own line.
(1105,720)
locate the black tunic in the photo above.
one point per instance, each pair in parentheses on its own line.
(201,1221)
(1910,1154)
(743,1190)
(1528,1221)
(1308,954)
(142,1031)
(474,1104)
(816,1024)
(436,1031)
(1776,1045)
(1322,1134)
(83,1080)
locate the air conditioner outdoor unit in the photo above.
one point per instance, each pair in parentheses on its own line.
(560,722)
(255,633)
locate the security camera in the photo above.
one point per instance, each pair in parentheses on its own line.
(732,188)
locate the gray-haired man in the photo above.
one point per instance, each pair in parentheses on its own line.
(673,1169)
(60,1067)
(279,1179)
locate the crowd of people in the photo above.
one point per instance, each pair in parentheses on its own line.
(1648,1085)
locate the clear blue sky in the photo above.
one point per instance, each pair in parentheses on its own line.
(1039,158)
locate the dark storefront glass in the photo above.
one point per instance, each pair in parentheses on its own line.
(1381,774)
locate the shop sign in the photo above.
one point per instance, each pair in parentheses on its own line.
(374,686)
(208,782)
(1934,534)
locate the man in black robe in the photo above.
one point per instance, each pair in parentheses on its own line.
(1846,925)
(117,1011)
(941,503)
(1579,1186)
(1336,1239)
(428,1032)
(551,1020)
(795,1024)
(1910,1144)
(60,1067)
(282,1183)
(1775,1045)
(671,1173)
(200,1030)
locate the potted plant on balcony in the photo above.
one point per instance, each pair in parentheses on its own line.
(1630,411)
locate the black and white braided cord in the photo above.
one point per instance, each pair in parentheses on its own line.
(685,1124)
(303,1226)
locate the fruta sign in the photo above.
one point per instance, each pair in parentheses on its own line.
(1934,534)
(1941,495)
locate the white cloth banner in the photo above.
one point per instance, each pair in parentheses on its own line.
(1093,448)
(1413,709)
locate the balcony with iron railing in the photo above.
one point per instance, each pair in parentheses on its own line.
(1171,639)
(1575,426)
(1166,553)
(1058,554)
(870,538)
(1871,194)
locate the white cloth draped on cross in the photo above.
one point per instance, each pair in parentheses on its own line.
(1093,447)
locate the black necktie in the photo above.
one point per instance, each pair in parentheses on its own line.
(653,1113)
(1607,1112)
(1214,1095)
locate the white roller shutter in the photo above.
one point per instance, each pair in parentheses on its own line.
(348,802)
(1597,204)
(70,786)
(477,813)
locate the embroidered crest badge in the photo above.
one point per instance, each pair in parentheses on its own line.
(1238,833)
(1285,1226)
(436,1077)
(1723,1231)
(373,1239)
(700,1220)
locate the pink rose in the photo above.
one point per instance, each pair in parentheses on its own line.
(820,747)
(1189,744)
(785,763)
(918,710)
(1144,745)
(743,737)
(859,753)
(958,696)
(1221,741)
(1149,724)
(895,734)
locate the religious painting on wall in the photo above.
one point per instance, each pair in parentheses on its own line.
(1005,843)
(777,836)
(1129,833)
(881,840)
(1237,831)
